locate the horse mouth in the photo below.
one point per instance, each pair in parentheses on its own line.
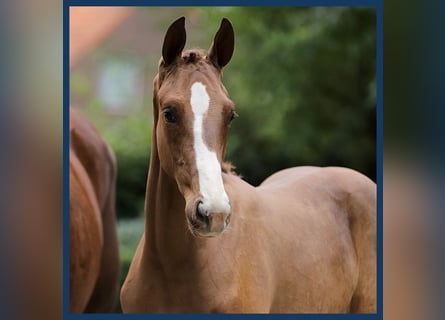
(204,225)
(200,234)
(202,231)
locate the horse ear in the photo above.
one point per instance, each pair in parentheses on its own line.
(174,41)
(223,44)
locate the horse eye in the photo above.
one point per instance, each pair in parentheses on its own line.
(169,116)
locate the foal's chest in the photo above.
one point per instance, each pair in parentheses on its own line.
(175,295)
(208,292)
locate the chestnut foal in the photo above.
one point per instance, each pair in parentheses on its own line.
(303,241)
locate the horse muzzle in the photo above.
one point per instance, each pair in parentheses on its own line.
(209,221)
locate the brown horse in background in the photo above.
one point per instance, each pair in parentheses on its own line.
(94,251)
(303,241)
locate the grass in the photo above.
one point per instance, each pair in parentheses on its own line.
(129,232)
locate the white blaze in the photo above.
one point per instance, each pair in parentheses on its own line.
(211,185)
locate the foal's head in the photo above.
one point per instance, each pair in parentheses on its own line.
(192,113)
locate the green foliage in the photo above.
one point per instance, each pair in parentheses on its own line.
(131,182)
(129,232)
(303,80)
(130,139)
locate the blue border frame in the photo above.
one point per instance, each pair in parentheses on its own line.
(378,4)
(226,3)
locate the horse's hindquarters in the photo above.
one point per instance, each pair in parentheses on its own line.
(85,240)
(94,165)
(323,235)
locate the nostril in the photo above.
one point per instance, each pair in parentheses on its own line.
(202,214)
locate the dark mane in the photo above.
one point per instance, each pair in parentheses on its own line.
(193,56)
(229,168)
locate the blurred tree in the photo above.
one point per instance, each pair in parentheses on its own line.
(303,80)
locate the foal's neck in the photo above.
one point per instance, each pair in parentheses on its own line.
(167,237)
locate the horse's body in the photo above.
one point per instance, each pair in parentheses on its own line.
(303,241)
(94,256)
